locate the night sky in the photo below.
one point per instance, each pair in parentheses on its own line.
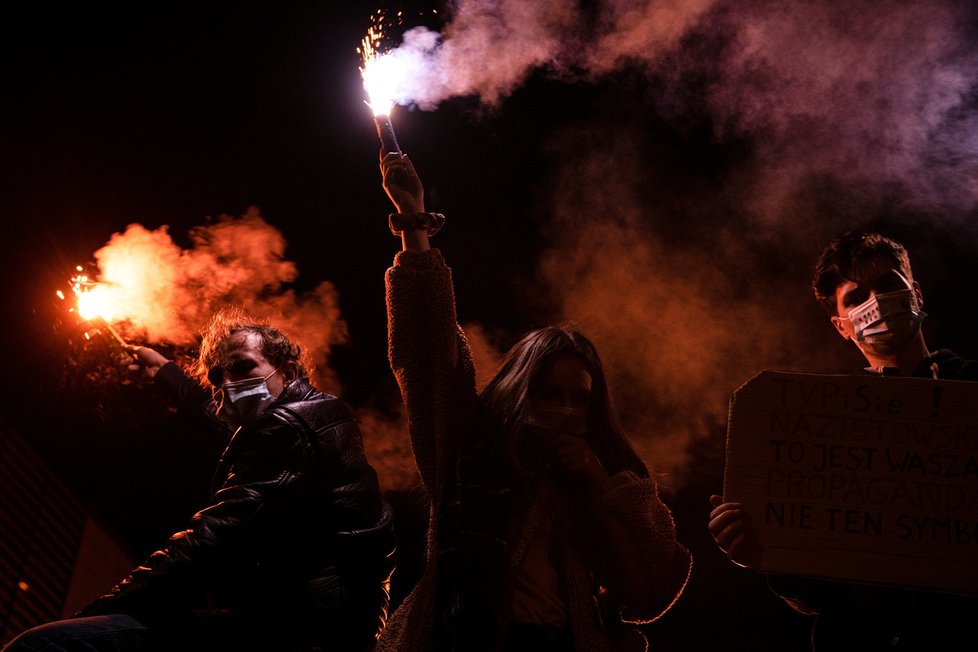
(663,176)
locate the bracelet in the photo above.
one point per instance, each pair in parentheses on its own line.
(429,222)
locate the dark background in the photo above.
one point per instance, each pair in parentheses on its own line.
(571,185)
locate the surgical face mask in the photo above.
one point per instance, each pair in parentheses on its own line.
(888,318)
(245,399)
(558,420)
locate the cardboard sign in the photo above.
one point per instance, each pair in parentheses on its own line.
(860,478)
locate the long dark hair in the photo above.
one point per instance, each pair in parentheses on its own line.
(505,398)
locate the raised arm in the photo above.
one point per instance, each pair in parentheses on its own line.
(427,349)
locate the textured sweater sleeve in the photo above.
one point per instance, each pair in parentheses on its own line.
(431,360)
(633,503)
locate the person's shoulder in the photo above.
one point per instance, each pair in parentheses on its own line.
(318,409)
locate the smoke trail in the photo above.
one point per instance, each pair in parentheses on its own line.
(489,47)
(880,93)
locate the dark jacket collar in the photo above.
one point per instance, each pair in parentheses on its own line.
(943,363)
(298,390)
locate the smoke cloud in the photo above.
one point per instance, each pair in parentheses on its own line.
(679,324)
(876,93)
(167,294)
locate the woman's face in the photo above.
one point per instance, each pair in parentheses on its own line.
(558,407)
(564,382)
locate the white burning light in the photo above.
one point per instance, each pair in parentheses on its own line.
(380,72)
(379,80)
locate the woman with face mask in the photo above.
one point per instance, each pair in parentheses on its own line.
(546,531)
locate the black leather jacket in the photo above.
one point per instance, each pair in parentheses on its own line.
(296,540)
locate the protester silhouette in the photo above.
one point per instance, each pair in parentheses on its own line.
(546,531)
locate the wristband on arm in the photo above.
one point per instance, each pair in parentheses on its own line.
(428,222)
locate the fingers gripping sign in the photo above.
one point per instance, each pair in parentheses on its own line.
(734,533)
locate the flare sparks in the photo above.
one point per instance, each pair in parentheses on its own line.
(380,73)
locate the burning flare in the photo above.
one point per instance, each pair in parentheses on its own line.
(97,303)
(382,74)
(94,300)
(388,73)
(378,71)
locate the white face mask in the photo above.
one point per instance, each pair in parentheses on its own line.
(888,318)
(245,399)
(558,420)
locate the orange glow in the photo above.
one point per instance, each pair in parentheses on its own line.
(23,586)
(131,281)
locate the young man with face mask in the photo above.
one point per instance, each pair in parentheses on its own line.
(295,548)
(864,282)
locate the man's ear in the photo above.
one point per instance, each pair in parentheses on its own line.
(290,372)
(918,294)
(842,325)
